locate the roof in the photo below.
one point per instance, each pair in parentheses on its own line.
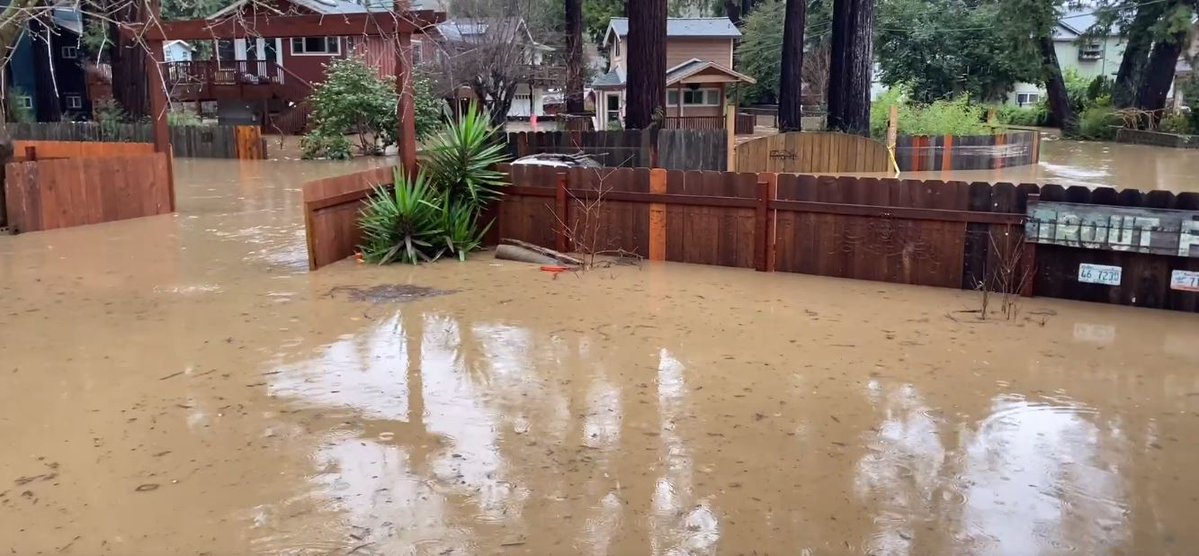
(330,7)
(1075,23)
(695,65)
(184,44)
(467,29)
(69,19)
(611,80)
(683,27)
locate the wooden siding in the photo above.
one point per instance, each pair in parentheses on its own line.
(49,194)
(682,50)
(812,152)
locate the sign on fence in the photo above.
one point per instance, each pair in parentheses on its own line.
(1140,230)
(1099,274)
(1184,280)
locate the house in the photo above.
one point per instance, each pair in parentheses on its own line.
(473,44)
(1088,54)
(48,77)
(699,78)
(266,81)
(177,51)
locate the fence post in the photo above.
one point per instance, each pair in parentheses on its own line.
(31,154)
(761,226)
(772,193)
(561,241)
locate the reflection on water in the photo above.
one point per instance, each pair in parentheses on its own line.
(1094,164)
(671,409)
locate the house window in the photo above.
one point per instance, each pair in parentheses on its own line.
(1027,99)
(613,107)
(694,97)
(25,102)
(316,46)
(70,52)
(1090,50)
(74,102)
(418,53)
(616,48)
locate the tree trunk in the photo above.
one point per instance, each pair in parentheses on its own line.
(1136,54)
(851,66)
(791,73)
(646,93)
(127,59)
(49,105)
(574,56)
(1159,73)
(1059,100)
(732,9)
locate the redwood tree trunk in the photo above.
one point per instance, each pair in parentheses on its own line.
(646,93)
(1055,85)
(1136,55)
(49,104)
(128,62)
(851,66)
(1159,73)
(791,73)
(574,56)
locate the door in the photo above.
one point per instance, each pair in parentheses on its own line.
(613,109)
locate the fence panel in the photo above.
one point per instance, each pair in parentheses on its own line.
(681,149)
(218,141)
(331,208)
(49,194)
(812,153)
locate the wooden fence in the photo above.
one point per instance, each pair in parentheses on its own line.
(219,141)
(812,153)
(695,123)
(48,194)
(77,149)
(1157,138)
(672,149)
(915,153)
(934,233)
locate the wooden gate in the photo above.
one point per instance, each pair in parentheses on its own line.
(811,153)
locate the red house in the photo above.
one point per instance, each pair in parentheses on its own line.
(267,81)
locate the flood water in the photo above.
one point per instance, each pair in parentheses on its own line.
(1094,164)
(182,385)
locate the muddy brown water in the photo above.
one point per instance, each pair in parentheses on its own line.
(182,385)
(1094,164)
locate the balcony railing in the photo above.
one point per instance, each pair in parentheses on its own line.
(210,72)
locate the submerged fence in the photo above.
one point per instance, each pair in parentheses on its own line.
(1081,244)
(217,141)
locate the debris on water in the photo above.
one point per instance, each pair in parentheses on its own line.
(146,487)
(387,293)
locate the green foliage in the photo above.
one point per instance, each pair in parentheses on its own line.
(461,159)
(1179,123)
(761,47)
(182,118)
(1029,116)
(354,100)
(437,213)
(402,224)
(943,117)
(944,49)
(332,147)
(1098,123)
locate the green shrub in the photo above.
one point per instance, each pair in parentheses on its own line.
(1178,123)
(943,117)
(319,145)
(437,213)
(20,113)
(461,159)
(1098,123)
(1031,116)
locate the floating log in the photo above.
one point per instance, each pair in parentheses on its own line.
(554,256)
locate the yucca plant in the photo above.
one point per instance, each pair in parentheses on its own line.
(402,223)
(461,160)
(459,226)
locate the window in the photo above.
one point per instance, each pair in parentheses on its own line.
(70,52)
(694,97)
(418,53)
(616,48)
(1027,99)
(74,102)
(316,46)
(25,102)
(1090,50)
(613,107)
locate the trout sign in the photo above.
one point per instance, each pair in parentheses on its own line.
(1139,230)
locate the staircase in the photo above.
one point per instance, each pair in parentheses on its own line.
(294,119)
